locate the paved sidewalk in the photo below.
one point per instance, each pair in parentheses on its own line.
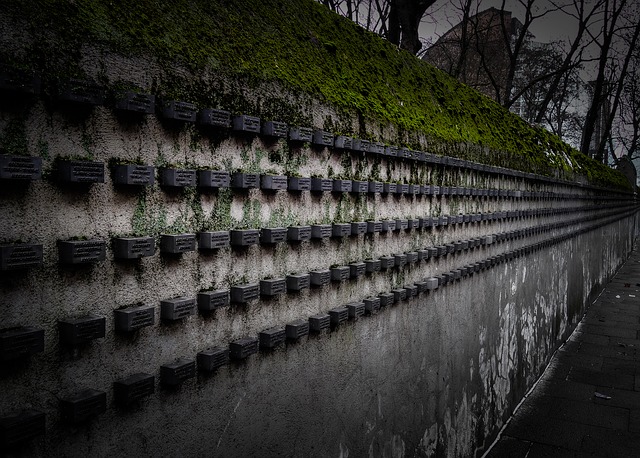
(588,401)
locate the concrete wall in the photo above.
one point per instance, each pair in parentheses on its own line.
(435,374)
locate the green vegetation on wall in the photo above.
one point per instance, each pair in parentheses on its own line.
(303,47)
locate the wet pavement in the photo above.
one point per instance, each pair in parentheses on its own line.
(587,403)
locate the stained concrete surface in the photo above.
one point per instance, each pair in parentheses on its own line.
(587,403)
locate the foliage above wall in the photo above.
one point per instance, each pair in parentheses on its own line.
(300,45)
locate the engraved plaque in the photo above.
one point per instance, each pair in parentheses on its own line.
(338,315)
(134,175)
(299,184)
(213,240)
(212,359)
(178,372)
(243,348)
(355,310)
(178,111)
(298,282)
(81,172)
(20,341)
(133,247)
(271,235)
(177,178)
(320,277)
(319,322)
(134,318)
(300,134)
(273,182)
(177,243)
(20,256)
(273,286)
(19,427)
(132,389)
(242,294)
(245,180)
(246,124)
(275,129)
(20,167)
(340,273)
(271,338)
(136,102)
(178,308)
(371,305)
(81,330)
(297,329)
(211,300)
(213,179)
(83,406)
(299,233)
(81,251)
(244,237)
(215,118)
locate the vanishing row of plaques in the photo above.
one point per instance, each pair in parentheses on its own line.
(18,342)
(21,256)
(87,92)
(87,172)
(81,407)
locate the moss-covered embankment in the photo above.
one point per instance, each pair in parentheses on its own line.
(302,46)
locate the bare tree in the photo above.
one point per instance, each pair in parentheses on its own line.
(396,20)
(627,129)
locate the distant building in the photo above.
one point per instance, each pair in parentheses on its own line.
(476,53)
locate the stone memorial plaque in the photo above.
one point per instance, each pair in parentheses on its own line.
(85,172)
(386,299)
(387,262)
(26,168)
(342,185)
(246,124)
(298,282)
(133,247)
(299,184)
(358,227)
(340,273)
(273,286)
(275,129)
(372,265)
(273,182)
(20,342)
(273,235)
(176,373)
(357,269)
(321,184)
(81,330)
(300,134)
(390,188)
(320,277)
(214,118)
(177,308)
(358,186)
(376,187)
(136,102)
(81,92)
(132,389)
(178,111)
(343,142)
(241,294)
(321,231)
(243,348)
(20,256)
(297,329)
(319,322)
(81,251)
(209,301)
(212,359)
(322,138)
(177,243)
(388,225)
(177,178)
(371,305)
(338,315)
(134,174)
(399,294)
(83,406)
(271,338)
(214,240)
(299,233)
(133,318)
(245,180)
(244,237)
(374,226)
(340,230)
(213,179)
(355,310)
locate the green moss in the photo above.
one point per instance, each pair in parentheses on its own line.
(220,217)
(13,138)
(251,214)
(306,50)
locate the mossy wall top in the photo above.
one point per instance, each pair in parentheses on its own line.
(303,47)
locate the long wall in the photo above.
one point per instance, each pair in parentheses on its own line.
(451,315)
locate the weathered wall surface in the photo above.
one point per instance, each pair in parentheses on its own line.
(437,373)
(434,374)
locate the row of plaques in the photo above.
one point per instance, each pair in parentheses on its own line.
(81,407)
(77,171)
(87,92)
(22,256)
